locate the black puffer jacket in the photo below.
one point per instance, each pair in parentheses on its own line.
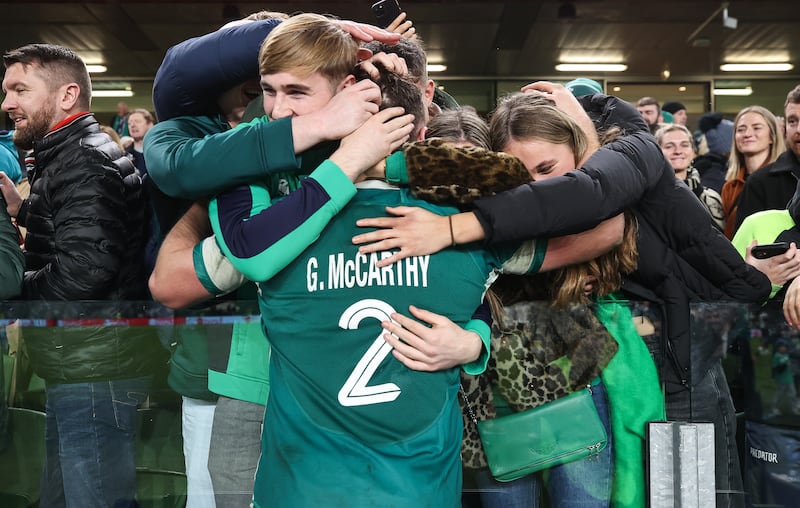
(769,188)
(85,240)
(682,256)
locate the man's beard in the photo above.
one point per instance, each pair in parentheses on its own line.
(38,126)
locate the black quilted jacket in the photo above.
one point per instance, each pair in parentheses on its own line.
(85,221)
(682,256)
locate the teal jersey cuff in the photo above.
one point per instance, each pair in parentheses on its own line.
(485,333)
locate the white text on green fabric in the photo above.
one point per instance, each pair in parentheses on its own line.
(361,270)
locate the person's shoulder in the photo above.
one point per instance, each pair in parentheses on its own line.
(191,124)
(786,162)
(765,216)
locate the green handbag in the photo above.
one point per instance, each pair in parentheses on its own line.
(558,432)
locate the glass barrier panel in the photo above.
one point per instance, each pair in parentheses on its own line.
(749,349)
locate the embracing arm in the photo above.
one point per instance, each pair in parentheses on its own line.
(192,157)
(261,237)
(175,282)
(614,178)
(567,250)
(428,167)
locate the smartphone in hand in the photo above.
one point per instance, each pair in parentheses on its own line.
(768,250)
(386,11)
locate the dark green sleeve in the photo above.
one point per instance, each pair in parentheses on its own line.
(12,261)
(194,157)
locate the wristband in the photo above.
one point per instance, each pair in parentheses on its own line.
(452,236)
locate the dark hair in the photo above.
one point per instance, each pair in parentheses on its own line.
(463,124)
(793,97)
(59,66)
(411,51)
(398,91)
(673,107)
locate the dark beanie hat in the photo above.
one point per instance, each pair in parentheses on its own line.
(672,107)
(718,133)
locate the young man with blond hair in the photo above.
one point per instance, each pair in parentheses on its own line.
(346,424)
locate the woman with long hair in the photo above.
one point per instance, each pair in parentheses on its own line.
(682,256)
(545,323)
(757,142)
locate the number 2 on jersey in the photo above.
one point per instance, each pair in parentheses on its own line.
(355,391)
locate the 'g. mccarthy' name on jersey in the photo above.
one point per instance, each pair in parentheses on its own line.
(361,270)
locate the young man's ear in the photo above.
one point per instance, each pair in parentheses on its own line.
(363,54)
(430,88)
(348,81)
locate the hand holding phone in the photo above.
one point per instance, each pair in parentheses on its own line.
(768,250)
(386,11)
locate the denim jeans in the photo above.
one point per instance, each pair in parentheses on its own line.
(711,402)
(235,449)
(5,437)
(90,443)
(583,483)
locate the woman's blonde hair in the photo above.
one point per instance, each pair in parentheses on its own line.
(672,127)
(736,158)
(524,116)
(306,44)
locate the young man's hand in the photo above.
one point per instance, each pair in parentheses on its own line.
(346,111)
(374,141)
(389,61)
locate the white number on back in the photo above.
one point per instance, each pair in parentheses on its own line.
(355,391)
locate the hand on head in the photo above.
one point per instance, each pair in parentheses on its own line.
(382,134)
(366,33)
(568,103)
(390,61)
(348,110)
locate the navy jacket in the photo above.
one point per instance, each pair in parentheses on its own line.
(187,86)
